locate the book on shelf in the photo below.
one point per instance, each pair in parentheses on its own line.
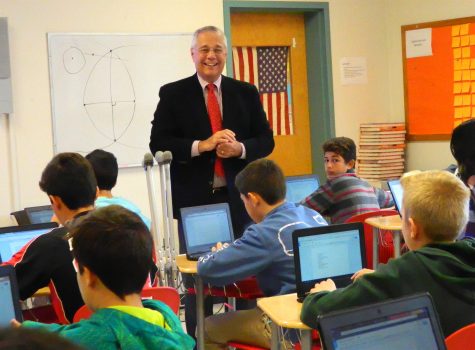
(383,127)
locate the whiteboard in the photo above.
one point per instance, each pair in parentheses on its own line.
(104,89)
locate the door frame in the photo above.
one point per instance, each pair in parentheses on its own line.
(319,64)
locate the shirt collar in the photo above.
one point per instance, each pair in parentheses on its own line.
(203,82)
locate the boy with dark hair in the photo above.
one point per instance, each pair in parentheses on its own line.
(462,145)
(435,211)
(265,250)
(344,194)
(112,249)
(106,170)
(70,184)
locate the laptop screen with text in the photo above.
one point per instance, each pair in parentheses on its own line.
(299,187)
(9,298)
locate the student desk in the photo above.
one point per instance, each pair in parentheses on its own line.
(392,223)
(284,311)
(191,267)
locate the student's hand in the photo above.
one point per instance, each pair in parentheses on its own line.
(360,273)
(327,285)
(15,324)
(229,149)
(219,246)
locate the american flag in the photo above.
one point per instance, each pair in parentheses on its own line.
(268,69)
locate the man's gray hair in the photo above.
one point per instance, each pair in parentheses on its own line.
(208,29)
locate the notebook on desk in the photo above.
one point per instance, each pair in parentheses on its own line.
(9,297)
(334,251)
(396,191)
(40,214)
(299,187)
(204,226)
(13,238)
(404,323)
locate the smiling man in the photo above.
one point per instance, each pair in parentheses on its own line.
(214,126)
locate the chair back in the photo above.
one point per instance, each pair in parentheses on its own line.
(464,339)
(386,245)
(166,295)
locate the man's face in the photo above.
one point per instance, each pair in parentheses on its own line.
(209,55)
(335,164)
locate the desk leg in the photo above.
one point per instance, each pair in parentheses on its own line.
(275,340)
(200,318)
(375,248)
(306,339)
(397,243)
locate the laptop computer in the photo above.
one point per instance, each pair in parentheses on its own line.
(20,217)
(396,191)
(204,226)
(13,238)
(334,251)
(299,187)
(40,214)
(9,297)
(404,323)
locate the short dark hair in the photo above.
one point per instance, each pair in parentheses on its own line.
(105,168)
(115,245)
(343,146)
(23,338)
(264,177)
(70,177)
(462,146)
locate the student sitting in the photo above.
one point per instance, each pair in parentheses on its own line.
(106,170)
(69,182)
(462,146)
(112,249)
(435,211)
(264,250)
(344,194)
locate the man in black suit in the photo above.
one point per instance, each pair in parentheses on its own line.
(183,124)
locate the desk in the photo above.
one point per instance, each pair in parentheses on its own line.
(284,311)
(392,223)
(187,266)
(43,292)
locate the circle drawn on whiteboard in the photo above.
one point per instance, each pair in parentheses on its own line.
(73,60)
(109,96)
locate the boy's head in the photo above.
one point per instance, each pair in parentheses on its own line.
(262,178)
(434,207)
(69,177)
(105,168)
(339,156)
(112,245)
(462,145)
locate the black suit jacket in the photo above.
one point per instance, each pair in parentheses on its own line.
(181,118)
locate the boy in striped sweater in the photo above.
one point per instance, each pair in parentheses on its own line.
(344,194)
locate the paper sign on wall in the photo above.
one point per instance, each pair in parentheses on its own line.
(353,70)
(419,43)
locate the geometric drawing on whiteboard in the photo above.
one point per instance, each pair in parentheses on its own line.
(110,109)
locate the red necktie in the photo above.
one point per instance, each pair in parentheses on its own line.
(216,124)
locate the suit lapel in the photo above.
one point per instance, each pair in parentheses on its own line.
(227,102)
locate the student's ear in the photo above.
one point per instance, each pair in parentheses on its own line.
(89,277)
(414,230)
(56,202)
(351,164)
(254,198)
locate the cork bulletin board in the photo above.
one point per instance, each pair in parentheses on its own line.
(439,77)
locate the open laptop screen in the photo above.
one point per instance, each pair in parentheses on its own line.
(299,187)
(38,215)
(13,238)
(9,297)
(405,323)
(396,191)
(206,225)
(335,251)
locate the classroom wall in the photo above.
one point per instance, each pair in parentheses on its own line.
(367,28)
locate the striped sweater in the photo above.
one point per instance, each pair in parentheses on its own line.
(347,195)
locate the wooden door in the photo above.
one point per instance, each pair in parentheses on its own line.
(292,152)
